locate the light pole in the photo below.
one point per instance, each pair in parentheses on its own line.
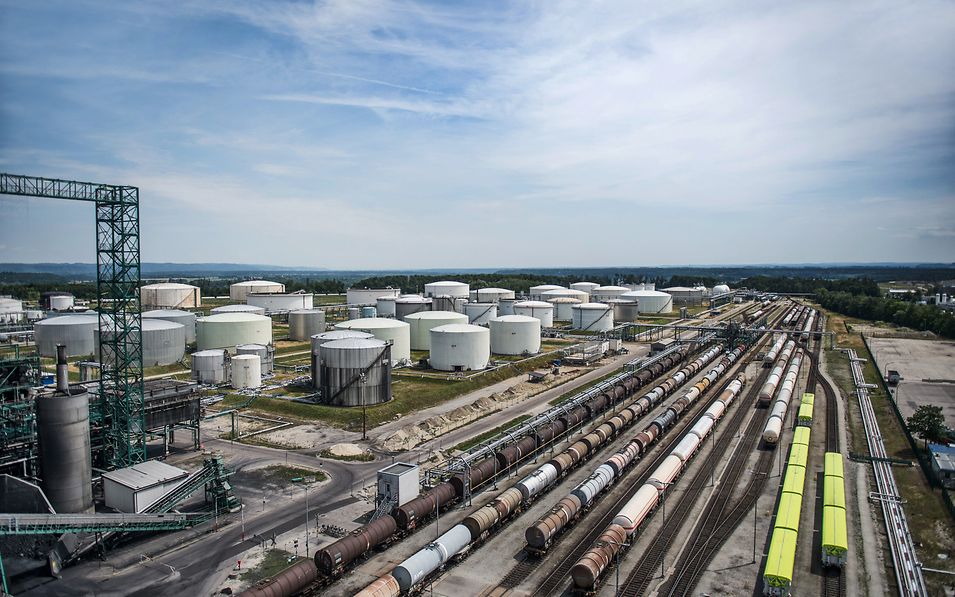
(306,520)
(664,506)
(616,590)
(755,511)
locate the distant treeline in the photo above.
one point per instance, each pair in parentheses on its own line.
(855,286)
(318,286)
(516,282)
(911,315)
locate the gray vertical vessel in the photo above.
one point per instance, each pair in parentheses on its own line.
(355,372)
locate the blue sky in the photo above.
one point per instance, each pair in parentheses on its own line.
(367,134)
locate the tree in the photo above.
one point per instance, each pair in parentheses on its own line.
(928,423)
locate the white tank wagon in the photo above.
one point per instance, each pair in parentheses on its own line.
(605,293)
(398,333)
(355,372)
(184,318)
(386,306)
(773,352)
(592,317)
(305,323)
(447,288)
(774,426)
(76,332)
(164,342)
(237,309)
(535,292)
(539,309)
(460,347)
(515,335)
(587,287)
(506,306)
(240,290)
(480,313)
(319,339)
(563,307)
(228,330)
(580,295)
(491,295)
(650,301)
(280,301)
(266,355)
(775,376)
(422,323)
(369,296)
(624,310)
(170,295)
(246,371)
(209,366)
(411,303)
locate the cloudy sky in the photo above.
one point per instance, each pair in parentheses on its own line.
(403,134)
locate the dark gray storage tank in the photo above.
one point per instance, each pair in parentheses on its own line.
(355,371)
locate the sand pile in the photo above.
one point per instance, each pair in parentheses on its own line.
(346,450)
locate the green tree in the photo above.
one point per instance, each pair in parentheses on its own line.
(928,423)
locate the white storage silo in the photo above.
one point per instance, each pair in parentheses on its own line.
(355,372)
(720,289)
(685,296)
(411,303)
(562,307)
(539,309)
(56,300)
(319,339)
(266,355)
(625,310)
(237,309)
(164,342)
(447,288)
(240,290)
(389,330)
(480,313)
(460,347)
(491,295)
(170,295)
(280,301)
(208,366)
(605,293)
(593,317)
(535,292)
(77,332)
(305,323)
(506,306)
(421,324)
(587,287)
(580,295)
(386,306)
(228,330)
(651,301)
(184,318)
(369,296)
(246,371)
(515,335)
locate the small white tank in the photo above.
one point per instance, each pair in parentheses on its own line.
(480,313)
(587,287)
(447,288)
(386,306)
(265,355)
(580,295)
(593,317)
(460,347)
(422,323)
(246,371)
(515,335)
(208,366)
(237,309)
(625,311)
(506,307)
(539,309)
(491,295)
(605,293)
(562,307)
(407,304)
(535,292)
(305,323)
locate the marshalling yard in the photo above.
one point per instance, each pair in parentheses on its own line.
(582,440)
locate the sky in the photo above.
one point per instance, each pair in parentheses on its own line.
(352,134)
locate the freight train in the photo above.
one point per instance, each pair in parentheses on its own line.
(775,376)
(774,425)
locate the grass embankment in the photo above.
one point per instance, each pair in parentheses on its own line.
(929,521)
(275,561)
(363,457)
(489,434)
(280,474)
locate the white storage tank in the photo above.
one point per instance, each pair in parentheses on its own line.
(587,287)
(515,335)
(624,310)
(266,355)
(246,371)
(506,306)
(720,289)
(411,303)
(580,295)
(386,306)
(208,366)
(651,301)
(535,292)
(685,296)
(228,330)
(237,309)
(388,330)
(447,302)
(563,307)
(164,342)
(369,311)
(77,332)
(447,288)
(240,290)
(11,310)
(355,372)
(354,312)
(422,323)
(491,295)
(319,339)
(369,296)
(183,318)
(539,309)
(56,300)
(480,313)
(593,317)
(305,323)
(170,295)
(460,347)
(33,315)
(280,301)
(605,293)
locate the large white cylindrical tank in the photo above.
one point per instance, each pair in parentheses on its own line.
(208,366)
(412,303)
(720,289)
(447,288)
(447,302)
(535,292)
(515,335)
(506,306)
(605,293)
(246,371)
(490,295)
(460,347)
(240,290)
(77,332)
(228,330)
(355,372)
(319,339)
(593,317)
(57,300)
(587,287)
(563,307)
(539,309)
(684,295)
(280,301)
(266,358)
(389,330)
(625,310)
(164,342)
(580,295)
(170,295)
(421,324)
(480,313)
(369,296)
(305,323)
(184,318)
(386,306)
(651,301)
(237,309)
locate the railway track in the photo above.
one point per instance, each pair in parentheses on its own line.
(833,583)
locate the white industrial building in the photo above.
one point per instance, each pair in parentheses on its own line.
(170,295)
(11,310)
(398,484)
(240,290)
(134,488)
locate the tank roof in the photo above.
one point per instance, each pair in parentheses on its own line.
(245,357)
(300,311)
(592,306)
(355,343)
(610,288)
(233,317)
(494,290)
(210,352)
(69,320)
(372,323)
(256,283)
(563,300)
(413,298)
(515,319)
(170,286)
(339,334)
(536,304)
(446,283)
(436,315)
(460,328)
(166,313)
(639,293)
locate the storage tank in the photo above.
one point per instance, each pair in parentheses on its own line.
(685,296)
(369,311)
(480,313)
(447,288)
(63,427)
(421,324)
(305,323)
(460,347)
(562,307)
(184,318)
(246,371)
(354,312)
(515,335)
(587,287)
(265,354)
(651,301)
(208,366)
(56,300)
(228,330)
(720,289)
(77,332)
(447,302)
(580,295)
(355,371)
(11,310)
(169,295)
(280,301)
(33,315)
(506,307)
(491,295)
(369,296)
(539,309)
(389,330)
(593,317)
(319,339)
(625,310)
(412,303)
(164,342)
(535,292)
(605,293)
(237,309)
(386,306)
(240,290)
